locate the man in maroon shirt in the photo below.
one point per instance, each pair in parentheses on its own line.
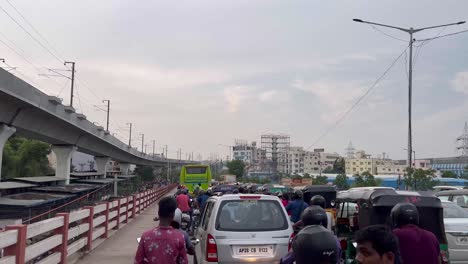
(163,244)
(416,244)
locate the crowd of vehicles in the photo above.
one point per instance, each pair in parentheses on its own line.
(249,223)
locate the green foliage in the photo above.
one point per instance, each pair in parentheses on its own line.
(341,182)
(449,174)
(465,174)
(236,167)
(25,158)
(328,170)
(366,179)
(307,176)
(339,166)
(296,176)
(319,180)
(420,180)
(145,173)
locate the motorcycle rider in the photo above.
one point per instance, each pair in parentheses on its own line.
(176,224)
(412,238)
(314,241)
(296,206)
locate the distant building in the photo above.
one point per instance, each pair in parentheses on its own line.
(248,153)
(454,164)
(300,161)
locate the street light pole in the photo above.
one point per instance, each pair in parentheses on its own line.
(72,79)
(142,142)
(130,137)
(108,110)
(410,31)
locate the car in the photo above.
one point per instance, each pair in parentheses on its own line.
(243,228)
(439,188)
(456,230)
(460,197)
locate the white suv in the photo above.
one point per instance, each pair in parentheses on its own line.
(237,228)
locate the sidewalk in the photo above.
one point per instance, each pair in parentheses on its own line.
(122,246)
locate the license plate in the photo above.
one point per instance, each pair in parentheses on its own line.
(463,240)
(253,250)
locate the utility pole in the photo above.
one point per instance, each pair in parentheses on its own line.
(154,146)
(410,31)
(130,137)
(72,79)
(108,110)
(142,142)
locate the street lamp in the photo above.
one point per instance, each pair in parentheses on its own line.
(410,31)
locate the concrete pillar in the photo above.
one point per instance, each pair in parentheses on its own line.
(63,155)
(124,168)
(5,134)
(101,165)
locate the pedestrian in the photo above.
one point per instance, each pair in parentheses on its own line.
(296,206)
(162,244)
(315,217)
(377,245)
(416,244)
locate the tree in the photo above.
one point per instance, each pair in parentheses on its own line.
(328,170)
(236,167)
(307,176)
(366,179)
(419,179)
(465,174)
(25,158)
(319,180)
(339,166)
(341,182)
(449,174)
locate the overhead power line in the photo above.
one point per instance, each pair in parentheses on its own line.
(359,100)
(446,35)
(29,34)
(388,35)
(34,28)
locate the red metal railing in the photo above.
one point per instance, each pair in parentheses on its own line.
(55,239)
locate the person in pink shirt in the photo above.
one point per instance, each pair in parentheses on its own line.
(163,244)
(183,201)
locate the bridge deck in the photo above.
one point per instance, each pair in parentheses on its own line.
(121,247)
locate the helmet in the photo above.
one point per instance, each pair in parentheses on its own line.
(314,215)
(318,200)
(177,216)
(317,243)
(404,213)
(297,195)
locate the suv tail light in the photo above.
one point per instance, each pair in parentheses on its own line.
(291,239)
(444,256)
(211,250)
(344,244)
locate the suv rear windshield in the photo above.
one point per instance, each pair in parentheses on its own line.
(251,215)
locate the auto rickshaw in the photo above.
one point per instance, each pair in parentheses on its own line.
(328,192)
(362,207)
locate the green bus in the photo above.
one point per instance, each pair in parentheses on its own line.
(193,175)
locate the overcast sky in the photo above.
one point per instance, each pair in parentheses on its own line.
(195,74)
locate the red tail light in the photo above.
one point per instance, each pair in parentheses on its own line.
(344,244)
(211,250)
(291,239)
(445,259)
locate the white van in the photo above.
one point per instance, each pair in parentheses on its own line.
(238,228)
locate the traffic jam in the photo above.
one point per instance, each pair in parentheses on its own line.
(235,223)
